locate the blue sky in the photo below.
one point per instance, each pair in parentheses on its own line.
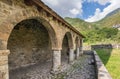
(88,10)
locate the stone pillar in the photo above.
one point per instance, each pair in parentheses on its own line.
(56,60)
(81,47)
(77,52)
(71,55)
(4,71)
(81,51)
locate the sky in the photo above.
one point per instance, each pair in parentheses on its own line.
(88,10)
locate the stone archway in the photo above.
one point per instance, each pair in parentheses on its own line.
(67,45)
(30,42)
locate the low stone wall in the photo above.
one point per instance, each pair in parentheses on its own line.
(102,72)
(87,47)
(106,46)
(100,46)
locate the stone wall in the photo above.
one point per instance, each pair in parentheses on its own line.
(29,43)
(100,46)
(102,72)
(106,46)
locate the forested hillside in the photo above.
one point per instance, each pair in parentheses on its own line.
(101,31)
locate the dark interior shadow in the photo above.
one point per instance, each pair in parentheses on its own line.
(104,51)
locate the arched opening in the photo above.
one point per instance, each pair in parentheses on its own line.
(30,50)
(66,45)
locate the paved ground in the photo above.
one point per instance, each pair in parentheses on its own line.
(83,68)
(38,71)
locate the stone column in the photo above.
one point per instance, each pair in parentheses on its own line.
(71,55)
(81,51)
(56,60)
(77,52)
(81,47)
(4,71)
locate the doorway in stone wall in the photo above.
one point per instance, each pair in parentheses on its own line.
(30,50)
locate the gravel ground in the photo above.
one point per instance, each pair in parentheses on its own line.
(83,68)
(37,71)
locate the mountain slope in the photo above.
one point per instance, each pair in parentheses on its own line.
(100,31)
(79,24)
(113,12)
(111,19)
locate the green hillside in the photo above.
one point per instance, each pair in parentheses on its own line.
(109,21)
(81,25)
(101,31)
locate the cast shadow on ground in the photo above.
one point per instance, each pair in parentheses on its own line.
(104,51)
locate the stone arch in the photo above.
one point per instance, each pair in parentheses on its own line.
(17,17)
(70,39)
(67,44)
(51,32)
(36,53)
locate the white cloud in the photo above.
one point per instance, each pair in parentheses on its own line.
(74,11)
(65,8)
(102,2)
(98,15)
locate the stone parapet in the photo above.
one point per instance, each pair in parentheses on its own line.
(102,72)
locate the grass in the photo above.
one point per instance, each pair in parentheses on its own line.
(111,59)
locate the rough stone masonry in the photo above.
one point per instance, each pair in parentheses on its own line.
(31,33)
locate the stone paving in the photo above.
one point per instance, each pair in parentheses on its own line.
(37,71)
(83,68)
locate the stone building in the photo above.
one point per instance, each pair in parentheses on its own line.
(31,32)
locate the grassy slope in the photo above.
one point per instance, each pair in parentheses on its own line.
(110,20)
(80,25)
(111,59)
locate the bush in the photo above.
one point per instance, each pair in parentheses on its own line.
(102,35)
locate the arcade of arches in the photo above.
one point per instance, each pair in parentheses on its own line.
(30,35)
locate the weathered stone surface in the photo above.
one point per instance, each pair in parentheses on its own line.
(102,72)
(56,60)
(77,52)
(30,42)
(71,55)
(4,64)
(106,46)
